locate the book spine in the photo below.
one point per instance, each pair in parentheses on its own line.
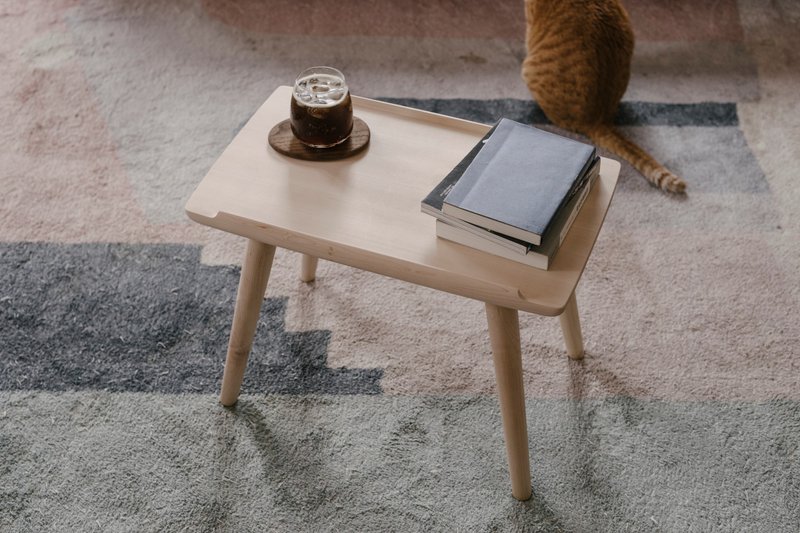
(584,193)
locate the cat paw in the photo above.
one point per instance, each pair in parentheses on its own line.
(669,182)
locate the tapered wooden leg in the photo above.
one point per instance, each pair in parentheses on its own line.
(504,334)
(252,285)
(571,326)
(308,268)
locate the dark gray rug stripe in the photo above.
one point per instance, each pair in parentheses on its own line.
(145,318)
(714,114)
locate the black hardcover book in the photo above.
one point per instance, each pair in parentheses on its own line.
(519,180)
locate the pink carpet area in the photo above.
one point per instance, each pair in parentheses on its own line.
(369,404)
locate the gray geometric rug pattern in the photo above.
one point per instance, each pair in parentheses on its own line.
(145,318)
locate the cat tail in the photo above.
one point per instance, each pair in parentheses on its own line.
(609,138)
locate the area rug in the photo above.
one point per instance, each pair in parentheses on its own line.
(369,404)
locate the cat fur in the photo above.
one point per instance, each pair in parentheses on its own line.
(577,68)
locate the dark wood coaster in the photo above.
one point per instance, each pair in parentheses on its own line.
(283,141)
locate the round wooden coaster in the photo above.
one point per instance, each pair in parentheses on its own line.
(283,141)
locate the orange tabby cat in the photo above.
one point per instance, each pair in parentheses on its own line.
(577,68)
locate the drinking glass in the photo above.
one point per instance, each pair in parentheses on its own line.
(321,111)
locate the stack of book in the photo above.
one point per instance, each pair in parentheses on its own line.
(515,194)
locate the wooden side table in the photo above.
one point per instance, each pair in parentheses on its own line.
(365,212)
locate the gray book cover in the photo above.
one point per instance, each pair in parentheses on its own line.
(518,181)
(538,256)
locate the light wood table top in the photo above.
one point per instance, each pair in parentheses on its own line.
(365,211)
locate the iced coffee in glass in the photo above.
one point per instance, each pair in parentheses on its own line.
(321,110)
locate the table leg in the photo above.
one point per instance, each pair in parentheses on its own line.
(252,285)
(308,268)
(504,334)
(571,326)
